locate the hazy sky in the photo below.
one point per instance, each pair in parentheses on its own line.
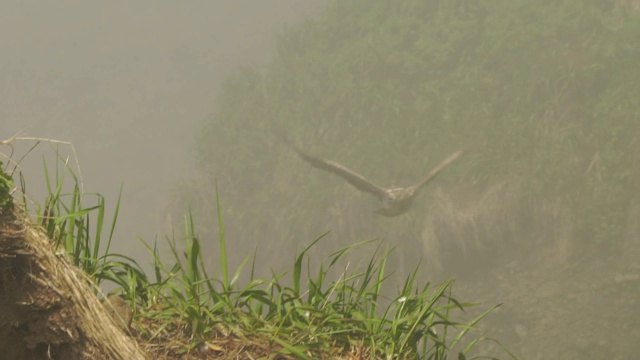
(127,82)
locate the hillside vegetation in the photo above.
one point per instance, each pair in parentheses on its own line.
(542,96)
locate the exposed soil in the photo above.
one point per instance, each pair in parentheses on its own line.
(47,308)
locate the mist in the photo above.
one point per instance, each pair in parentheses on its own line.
(127,83)
(540,213)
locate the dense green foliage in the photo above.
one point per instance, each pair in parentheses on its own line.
(542,95)
(6,184)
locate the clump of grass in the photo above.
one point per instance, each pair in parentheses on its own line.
(75,229)
(184,311)
(311,317)
(6,185)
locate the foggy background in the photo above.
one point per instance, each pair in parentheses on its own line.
(127,83)
(133,86)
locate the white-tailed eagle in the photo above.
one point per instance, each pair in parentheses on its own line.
(395,201)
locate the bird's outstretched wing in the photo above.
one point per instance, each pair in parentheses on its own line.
(446,162)
(351,176)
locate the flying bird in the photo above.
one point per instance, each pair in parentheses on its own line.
(395,201)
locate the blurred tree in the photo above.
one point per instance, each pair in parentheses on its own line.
(542,95)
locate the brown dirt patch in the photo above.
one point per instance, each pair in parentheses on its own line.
(48,309)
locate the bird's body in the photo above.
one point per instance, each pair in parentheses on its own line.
(395,201)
